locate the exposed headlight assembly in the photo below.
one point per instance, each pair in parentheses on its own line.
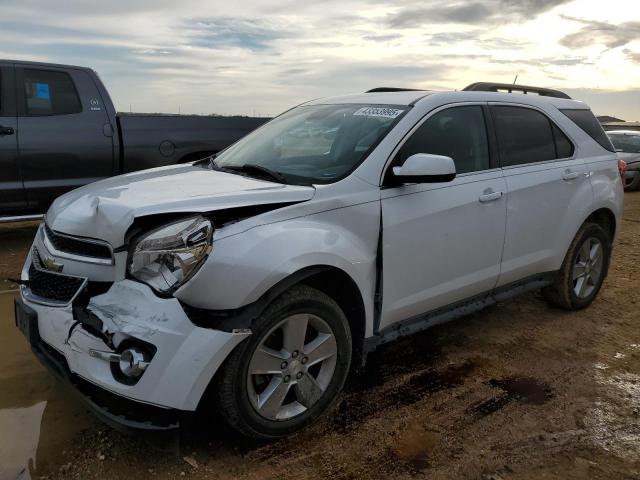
(168,256)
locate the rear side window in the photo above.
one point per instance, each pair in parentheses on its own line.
(589,123)
(458,132)
(50,93)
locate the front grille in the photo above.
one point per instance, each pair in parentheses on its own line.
(52,286)
(77,246)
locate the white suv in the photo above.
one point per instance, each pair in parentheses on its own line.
(252,281)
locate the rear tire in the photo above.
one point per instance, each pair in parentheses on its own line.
(267,389)
(583,270)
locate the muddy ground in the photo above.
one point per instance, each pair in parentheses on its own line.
(518,391)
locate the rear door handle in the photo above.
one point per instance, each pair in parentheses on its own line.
(6,130)
(490,197)
(568,175)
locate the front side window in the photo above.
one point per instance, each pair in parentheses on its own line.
(50,93)
(313,144)
(458,132)
(528,136)
(626,143)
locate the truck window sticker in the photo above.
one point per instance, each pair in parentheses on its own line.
(42,91)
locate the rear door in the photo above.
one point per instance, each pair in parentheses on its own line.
(442,242)
(547,189)
(62,132)
(12,198)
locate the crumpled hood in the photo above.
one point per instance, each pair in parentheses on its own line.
(107,208)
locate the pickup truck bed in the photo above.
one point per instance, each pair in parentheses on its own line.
(59,130)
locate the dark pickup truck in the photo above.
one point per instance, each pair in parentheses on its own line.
(59,130)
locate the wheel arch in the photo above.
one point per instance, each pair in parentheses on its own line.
(335,283)
(605,218)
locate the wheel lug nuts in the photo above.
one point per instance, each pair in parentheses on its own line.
(304,360)
(284,365)
(294,354)
(299,375)
(287,378)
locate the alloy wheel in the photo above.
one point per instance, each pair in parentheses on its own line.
(292,367)
(587,269)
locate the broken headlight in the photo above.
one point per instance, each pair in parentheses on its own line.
(168,256)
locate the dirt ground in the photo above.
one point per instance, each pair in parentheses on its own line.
(518,391)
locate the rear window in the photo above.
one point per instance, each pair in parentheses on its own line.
(50,93)
(589,123)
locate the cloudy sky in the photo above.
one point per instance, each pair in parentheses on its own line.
(262,56)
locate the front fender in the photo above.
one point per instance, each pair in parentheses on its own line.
(243,267)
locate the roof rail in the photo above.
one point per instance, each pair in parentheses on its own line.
(501,87)
(391,89)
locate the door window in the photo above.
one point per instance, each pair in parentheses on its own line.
(528,136)
(50,93)
(564,147)
(458,132)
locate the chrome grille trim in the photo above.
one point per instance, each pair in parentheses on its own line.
(46,232)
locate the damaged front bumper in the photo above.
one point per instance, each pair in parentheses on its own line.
(185,356)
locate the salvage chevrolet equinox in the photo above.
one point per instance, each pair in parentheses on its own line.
(250,282)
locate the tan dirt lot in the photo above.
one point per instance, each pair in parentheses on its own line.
(518,391)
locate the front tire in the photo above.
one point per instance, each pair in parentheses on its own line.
(583,270)
(290,370)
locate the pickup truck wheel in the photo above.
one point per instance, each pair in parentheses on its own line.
(584,269)
(290,370)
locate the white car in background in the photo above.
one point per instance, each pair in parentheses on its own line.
(627,144)
(260,276)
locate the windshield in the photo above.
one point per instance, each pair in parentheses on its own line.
(312,144)
(626,143)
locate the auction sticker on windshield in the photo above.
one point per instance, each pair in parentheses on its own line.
(378,112)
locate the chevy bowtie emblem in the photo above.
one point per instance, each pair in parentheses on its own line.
(51,265)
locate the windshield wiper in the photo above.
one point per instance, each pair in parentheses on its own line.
(249,168)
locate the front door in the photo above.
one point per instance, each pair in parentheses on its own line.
(61,133)
(12,198)
(442,242)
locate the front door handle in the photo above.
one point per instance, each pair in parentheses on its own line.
(568,175)
(6,130)
(490,197)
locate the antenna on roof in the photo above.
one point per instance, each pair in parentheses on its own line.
(515,79)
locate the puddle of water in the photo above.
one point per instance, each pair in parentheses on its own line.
(38,418)
(525,390)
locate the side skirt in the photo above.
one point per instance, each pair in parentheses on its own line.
(457,310)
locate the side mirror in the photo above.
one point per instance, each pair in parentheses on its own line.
(426,168)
